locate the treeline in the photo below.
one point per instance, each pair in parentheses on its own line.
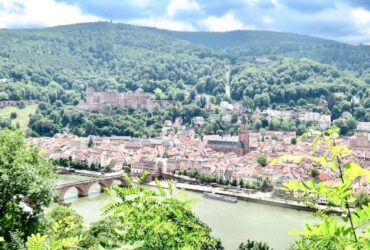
(289,83)
(263,185)
(76,164)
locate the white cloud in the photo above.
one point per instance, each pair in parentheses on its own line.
(142,3)
(226,22)
(267,20)
(361,16)
(18,13)
(180,5)
(164,23)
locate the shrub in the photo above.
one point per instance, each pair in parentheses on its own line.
(262,160)
(13,115)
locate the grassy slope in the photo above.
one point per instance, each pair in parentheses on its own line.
(22,115)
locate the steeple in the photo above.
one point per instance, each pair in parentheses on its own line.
(244,135)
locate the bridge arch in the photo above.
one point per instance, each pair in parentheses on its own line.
(64,190)
(83,187)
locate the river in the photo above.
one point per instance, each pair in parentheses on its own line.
(233,223)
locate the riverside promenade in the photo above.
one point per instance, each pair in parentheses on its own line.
(258,197)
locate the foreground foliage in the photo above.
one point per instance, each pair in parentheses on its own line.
(155,219)
(26,187)
(136,218)
(354,233)
(254,245)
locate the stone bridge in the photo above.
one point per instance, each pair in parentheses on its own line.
(83,187)
(105,182)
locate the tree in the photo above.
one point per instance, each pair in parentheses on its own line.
(27,184)
(257,125)
(266,185)
(157,219)
(330,233)
(234,182)
(63,230)
(300,129)
(362,199)
(293,141)
(315,172)
(91,142)
(302,102)
(13,115)
(262,160)
(254,245)
(241,183)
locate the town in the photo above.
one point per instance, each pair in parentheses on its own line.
(184,124)
(239,159)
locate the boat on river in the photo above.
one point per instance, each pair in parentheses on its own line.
(220,197)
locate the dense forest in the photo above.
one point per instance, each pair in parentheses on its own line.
(267,69)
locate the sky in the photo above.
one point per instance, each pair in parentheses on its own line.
(341,20)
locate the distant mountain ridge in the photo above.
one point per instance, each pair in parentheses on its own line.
(93,49)
(262,43)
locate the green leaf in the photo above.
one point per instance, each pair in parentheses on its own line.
(353,170)
(36,242)
(340,151)
(286,158)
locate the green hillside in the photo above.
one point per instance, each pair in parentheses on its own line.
(261,43)
(267,69)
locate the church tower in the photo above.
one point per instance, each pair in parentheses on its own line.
(244,137)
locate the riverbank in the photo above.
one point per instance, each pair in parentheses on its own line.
(258,197)
(87,173)
(233,223)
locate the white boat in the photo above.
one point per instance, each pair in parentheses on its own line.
(220,197)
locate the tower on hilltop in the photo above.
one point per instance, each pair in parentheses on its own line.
(244,137)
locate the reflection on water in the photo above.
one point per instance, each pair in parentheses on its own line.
(232,223)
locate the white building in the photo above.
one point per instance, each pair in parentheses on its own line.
(198,121)
(226,118)
(363,126)
(281,114)
(324,121)
(226,105)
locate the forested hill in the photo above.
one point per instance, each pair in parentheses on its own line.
(92,45)
(267,69)
(239,44)
(103,55)
(121,56)
(240,38)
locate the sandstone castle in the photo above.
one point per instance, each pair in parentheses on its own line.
(137,100)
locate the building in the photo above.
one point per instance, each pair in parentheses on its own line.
(198,121)
(227,118)
(138,100)
(240,147)
(359,142)
(226,105)
(363,126)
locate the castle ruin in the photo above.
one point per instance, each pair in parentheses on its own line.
(137,100)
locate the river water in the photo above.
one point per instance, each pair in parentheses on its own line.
(233,223)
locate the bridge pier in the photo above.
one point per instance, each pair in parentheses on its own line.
(105,184)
